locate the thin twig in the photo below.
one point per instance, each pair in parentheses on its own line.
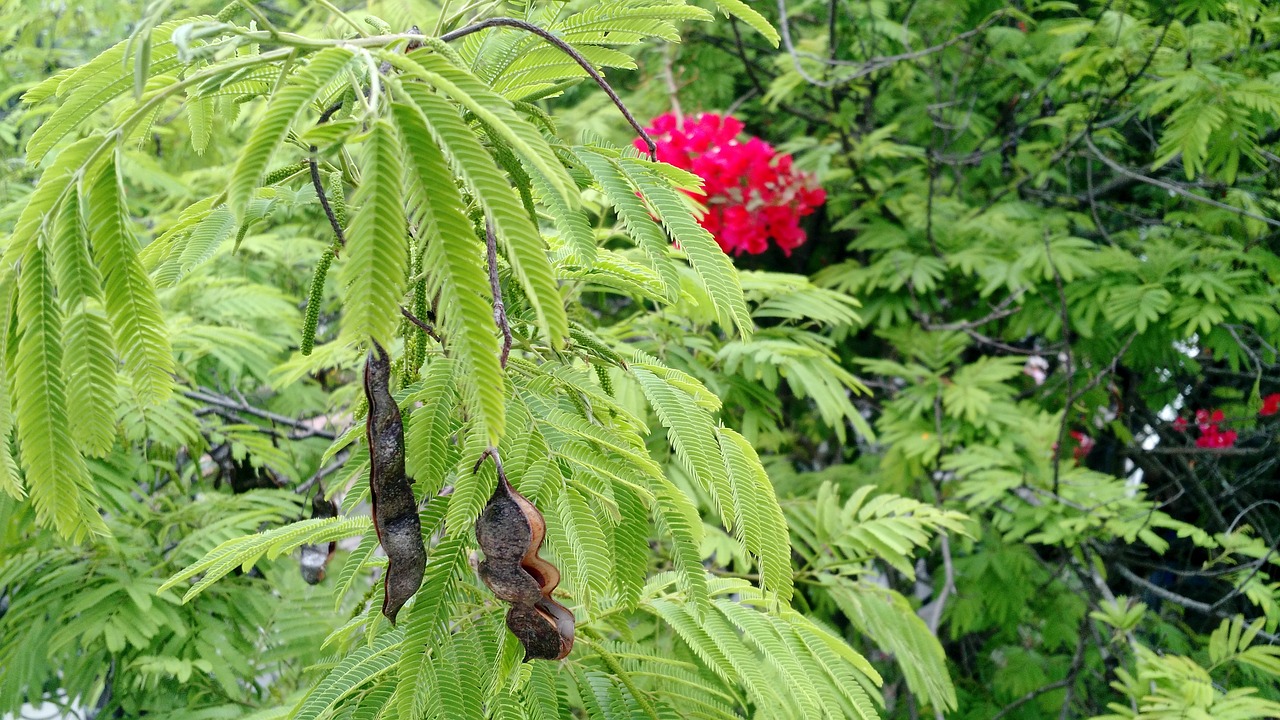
(948,585)
(1071,370)
(1171,187)
(1181,600)
(1032,696)
(319,186)
(1077,663)
(499,308)
(426,327)
(337,464)
(490,452)
(669,77)
(1002,310)
(209,397)
(572,52)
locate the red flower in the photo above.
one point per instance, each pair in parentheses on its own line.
(1180,425)
(752,193)
(1270,404)
(1084,444)
(1202,420)
(1215,439)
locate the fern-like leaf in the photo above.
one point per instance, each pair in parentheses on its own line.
(362,666)
(282,110)
(377,248)
(130,297)
(454,257)
(245,551)
(523,247)
(89,367)
(713,267)
(56,474)
(761,522)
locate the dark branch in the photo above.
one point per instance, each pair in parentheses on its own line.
(319,186)
(569,50)
(426,327)
(499,307)
(209,397)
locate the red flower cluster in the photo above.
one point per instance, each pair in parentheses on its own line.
(1270,404)
(1211,435)
(751,192)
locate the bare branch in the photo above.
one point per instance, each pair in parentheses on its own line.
(308,426)
(572,52)
(1172,187)
(499,308)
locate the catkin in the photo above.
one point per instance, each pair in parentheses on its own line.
(314,298)
(337,198)
(228,12)
(280,174)
(606,382)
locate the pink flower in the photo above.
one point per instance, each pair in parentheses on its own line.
(752,193)
(1180,425)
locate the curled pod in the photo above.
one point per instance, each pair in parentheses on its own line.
(510,531)
(507,533)
(395,512)
(537,632)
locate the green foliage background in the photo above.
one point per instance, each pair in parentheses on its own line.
(823,485)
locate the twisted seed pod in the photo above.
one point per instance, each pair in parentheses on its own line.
(314,298)
(510,531)
(395,512)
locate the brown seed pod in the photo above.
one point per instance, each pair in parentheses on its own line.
(537,632)
(395,512)
(510,531)
(507,536)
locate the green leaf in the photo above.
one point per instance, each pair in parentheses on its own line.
(57,477)
(454,258)
(282,110)
(714,269)
(130,298)
(377,256)
(522,246)
(89,367)
(748,15)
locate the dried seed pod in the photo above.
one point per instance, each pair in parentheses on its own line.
(395,512)
(506,535)
(510,531)
(563,619)
(537,632)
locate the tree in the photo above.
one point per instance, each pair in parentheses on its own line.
(1036,249)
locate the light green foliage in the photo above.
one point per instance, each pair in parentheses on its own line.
(175,474)
(826,484)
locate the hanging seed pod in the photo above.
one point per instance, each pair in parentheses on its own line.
(395,512)
(510,531)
